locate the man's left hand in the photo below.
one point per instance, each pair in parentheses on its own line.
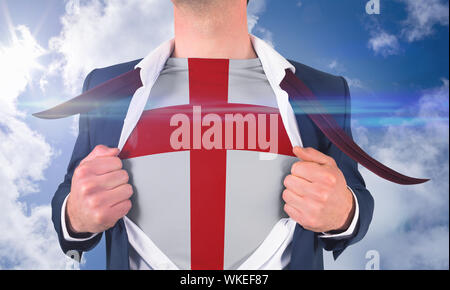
(316,195)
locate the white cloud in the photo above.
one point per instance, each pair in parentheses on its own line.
(336,67)
(27,240)
(265,34)
(355,83)
(255,9)
(423,16)
(384,43)
(102,33)
(421,21)
(333,65)
(410,226)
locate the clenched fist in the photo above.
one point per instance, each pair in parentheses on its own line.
(316,195)
(100,193)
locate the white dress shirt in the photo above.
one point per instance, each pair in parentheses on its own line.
(273,253)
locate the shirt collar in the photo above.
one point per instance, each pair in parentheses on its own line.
(152,65)
(274,64)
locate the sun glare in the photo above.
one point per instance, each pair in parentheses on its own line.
(18,60)
(21,56)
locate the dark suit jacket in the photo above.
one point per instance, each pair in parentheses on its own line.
(104,126)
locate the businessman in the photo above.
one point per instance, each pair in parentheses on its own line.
(210,163)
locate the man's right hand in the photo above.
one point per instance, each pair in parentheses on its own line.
(100,193)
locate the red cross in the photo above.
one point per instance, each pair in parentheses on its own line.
(208,88)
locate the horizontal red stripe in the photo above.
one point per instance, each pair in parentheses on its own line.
(153,131)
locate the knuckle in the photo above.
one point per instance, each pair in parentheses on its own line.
(292,213)
(309,166)
(127,207)
(296,167)
(332,161)
(92,202)
(291,178)
(99,147)
(295,216)
(310,150)
(99,218)
(286,196)
(118,162)
(130,189)
(80,171)
(325,197)
(286,181)
(319,210)
(331,179)
(125,175)
(287,209)
(85,188)
(323,193)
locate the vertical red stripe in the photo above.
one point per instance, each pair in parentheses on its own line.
(208,85)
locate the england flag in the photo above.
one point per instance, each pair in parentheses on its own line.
(207,160)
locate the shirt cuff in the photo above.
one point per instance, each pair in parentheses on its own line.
(351,229)
(65,231)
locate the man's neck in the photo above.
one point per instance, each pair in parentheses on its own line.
(216,32)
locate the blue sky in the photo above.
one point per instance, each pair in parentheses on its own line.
(396,63)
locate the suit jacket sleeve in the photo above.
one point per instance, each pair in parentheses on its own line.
(81,150)
(355,182)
